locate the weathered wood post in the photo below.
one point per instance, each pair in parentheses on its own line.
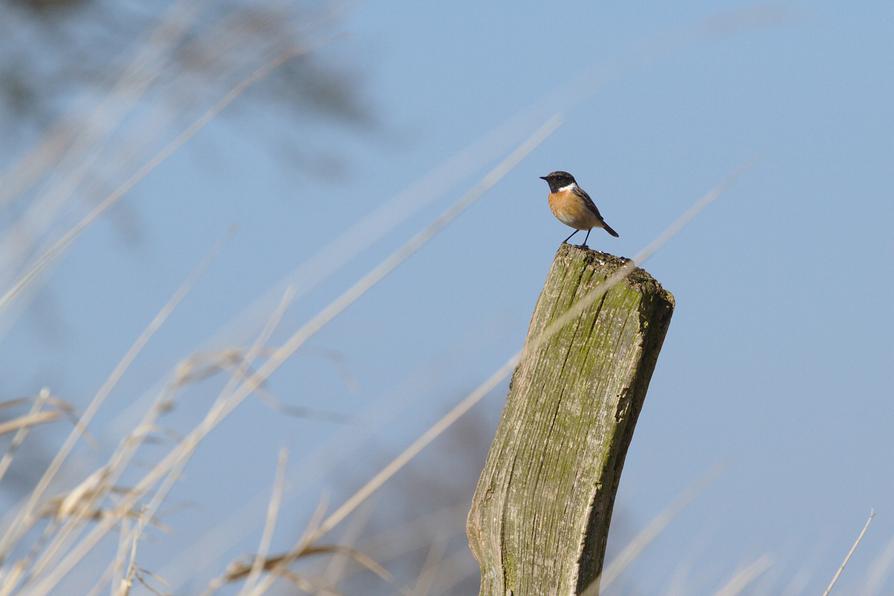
(540,516)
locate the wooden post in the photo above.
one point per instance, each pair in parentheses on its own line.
(540,516)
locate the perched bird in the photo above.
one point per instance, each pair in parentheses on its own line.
(573,206)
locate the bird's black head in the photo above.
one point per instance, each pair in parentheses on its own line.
(558,179)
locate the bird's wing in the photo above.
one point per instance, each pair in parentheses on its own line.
(587,201)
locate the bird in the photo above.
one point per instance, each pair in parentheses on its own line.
(573,206)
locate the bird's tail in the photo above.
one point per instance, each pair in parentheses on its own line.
(609,229)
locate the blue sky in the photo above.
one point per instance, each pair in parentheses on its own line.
(778,361)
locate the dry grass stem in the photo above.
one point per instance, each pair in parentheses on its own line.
(880,570)
(225,406)
(241,388)
(57,148)
(22,433)
(167,469)
(302,543)
(504,371)
(25,519)
(19,401)
(849,554)
(454,569)
(639,543)
(89,501)
(73,150)
(416,533)
(208,548)
(269,524)
(58,247)
(133,571)
(275,564)
(336,569)
(430,567)
(253,352)
(398,540)
(120,580)
(204,365)
(746,576)
(27,421)
(365,232)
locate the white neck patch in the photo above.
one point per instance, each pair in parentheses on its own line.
(568,187)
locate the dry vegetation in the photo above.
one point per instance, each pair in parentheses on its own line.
(189,64)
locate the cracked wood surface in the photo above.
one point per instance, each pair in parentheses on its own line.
(540,515)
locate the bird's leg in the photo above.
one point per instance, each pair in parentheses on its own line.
(569,236)
(584,245)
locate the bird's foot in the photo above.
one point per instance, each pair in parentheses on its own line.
(582,246)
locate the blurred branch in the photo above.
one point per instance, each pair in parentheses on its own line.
(72,46)
(98,88)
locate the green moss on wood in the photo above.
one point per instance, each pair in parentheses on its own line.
(540,515)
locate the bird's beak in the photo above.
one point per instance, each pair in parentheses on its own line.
(543,178)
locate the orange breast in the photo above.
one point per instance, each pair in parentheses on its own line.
(572,211)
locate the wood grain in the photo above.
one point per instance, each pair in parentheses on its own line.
(540,515)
